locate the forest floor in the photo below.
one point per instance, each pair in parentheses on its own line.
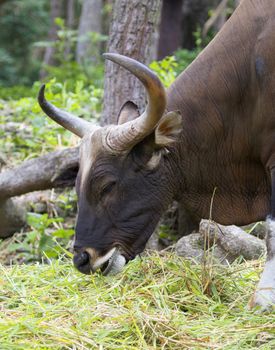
(159,302)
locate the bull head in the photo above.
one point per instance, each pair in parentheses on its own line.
(122,182)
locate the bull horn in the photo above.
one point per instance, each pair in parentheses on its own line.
(70,122)
(125,136)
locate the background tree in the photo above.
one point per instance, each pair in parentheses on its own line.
(195,14)
(90,24)
(55,12)
(132,33)
(70,22)
(182,21)
(170,31)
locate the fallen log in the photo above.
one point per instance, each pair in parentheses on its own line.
(56,169)
(12,218)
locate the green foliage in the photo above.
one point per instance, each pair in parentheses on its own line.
(16,92)
(40,241)
(66,69)
(184,58)
(25,132)
(165,69)
(66,203)
(165,232)
(171,66)
(21,24)
(27,138)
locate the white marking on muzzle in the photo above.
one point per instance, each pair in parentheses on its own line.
(115,264)
(95,264)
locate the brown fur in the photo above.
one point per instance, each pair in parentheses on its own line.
(226,98)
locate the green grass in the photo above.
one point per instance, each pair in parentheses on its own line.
(159,302)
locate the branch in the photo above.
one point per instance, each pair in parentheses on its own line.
(56,169)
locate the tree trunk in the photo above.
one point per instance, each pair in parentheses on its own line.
(56,11)
(90,21)
(170,33)
(195,14)
(106,16)
(70,19)
(70,13)
(132,34)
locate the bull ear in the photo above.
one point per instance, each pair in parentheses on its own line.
(150,151)
(166,133)
(129,111)
(168,129)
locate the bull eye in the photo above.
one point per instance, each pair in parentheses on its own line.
(107,189)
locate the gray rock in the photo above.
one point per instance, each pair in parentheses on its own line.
(233,240)
(192,247)
(224,243)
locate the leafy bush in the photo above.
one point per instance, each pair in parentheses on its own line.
(42,241)
(184,58)
(165,69)
(21,24)
(25,132)
(171,66)
(27,137)
(67,70)
(16,92)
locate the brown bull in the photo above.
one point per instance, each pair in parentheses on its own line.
(213,128)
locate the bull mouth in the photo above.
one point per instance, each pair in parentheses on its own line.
(110,264)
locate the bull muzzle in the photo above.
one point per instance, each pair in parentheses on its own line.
(87,261)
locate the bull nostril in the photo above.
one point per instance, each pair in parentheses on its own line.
(81,259)
(77,248)
(82,262)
